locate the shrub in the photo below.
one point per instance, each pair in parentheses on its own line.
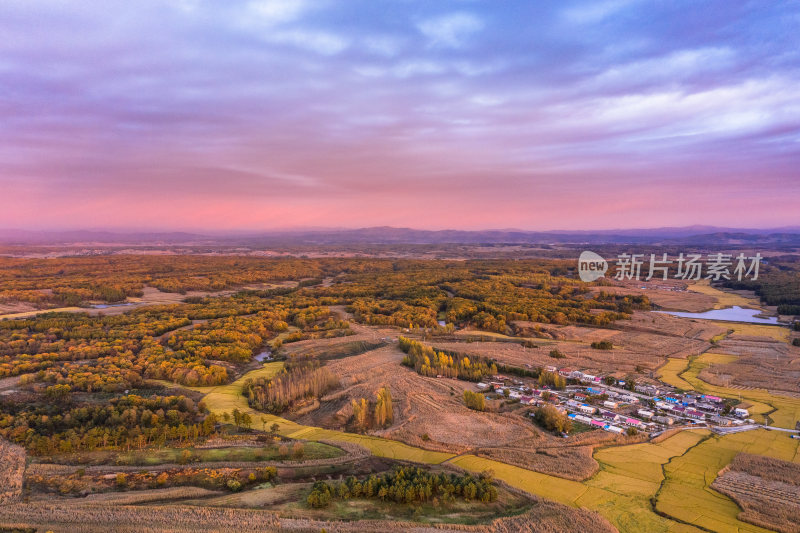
(602,345)
(552,419)
(475,400)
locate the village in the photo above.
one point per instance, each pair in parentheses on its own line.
(616,406)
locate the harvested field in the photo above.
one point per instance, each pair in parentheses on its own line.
(574,462)
(639,344)
(769,504)
(148,496)
(686,493)
(664,324)
(669,295)
(69,516)
(767,489)
(64,515)
(768,468)
(12,471)
(422,406)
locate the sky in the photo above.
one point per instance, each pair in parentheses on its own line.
(274,114)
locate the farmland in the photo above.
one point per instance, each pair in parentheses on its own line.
(177,387)
(767,489)
(779,410)
(686,495)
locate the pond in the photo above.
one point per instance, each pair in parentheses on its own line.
(730,314)
(266,355)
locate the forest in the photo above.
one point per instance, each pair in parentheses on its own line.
(84,376)
(407,485)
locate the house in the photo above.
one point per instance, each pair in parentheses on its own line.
(514,394)
(610,404)
(584,419)
(718,420)
(644,413)
(608,416)
(692,413)
(650,390)
(741,413)
(706,406)
(573,404)
(588,409)
(550,368)
(632,422)
(527,400)
(664,405)
(580,396)
(614,429)
(483,385)
(709,398)
(566,372)
(592,390)
(666,420)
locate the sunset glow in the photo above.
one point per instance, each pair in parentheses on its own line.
(280,114)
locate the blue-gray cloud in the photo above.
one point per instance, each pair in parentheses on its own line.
(281,98)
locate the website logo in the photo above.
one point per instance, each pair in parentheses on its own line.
(591,266)
(719,266)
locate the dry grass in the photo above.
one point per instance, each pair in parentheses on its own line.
(768,504)
(768,468)
(767,490)
(678,299)
(422,406)
(575,462)
(12,471)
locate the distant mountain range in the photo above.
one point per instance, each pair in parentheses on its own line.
(694,235)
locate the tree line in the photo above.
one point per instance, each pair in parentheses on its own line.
(375,414)
(407,485)
(428,362)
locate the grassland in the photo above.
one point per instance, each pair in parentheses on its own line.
(723,298)
(160,456)
(686,494)
(778,333)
